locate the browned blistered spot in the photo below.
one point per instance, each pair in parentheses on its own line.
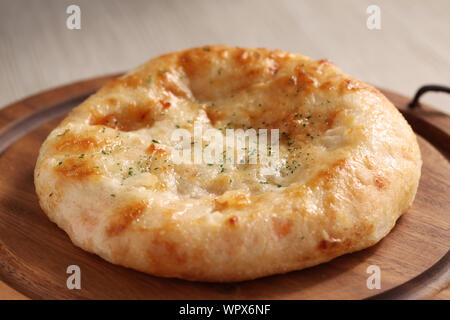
(124,217)
(155,149)
(171,252)
(233,220)
(113,83)
(380,181)
(218,185)
(163,253)
(214,115)
(54,198)
(191,61)
(297,191)
(108,121)
(273,69)
(241,56)
(368,163)
(168,85)
(364,229)
(351,85)
(131,81)
(323,245)
(165,105)
(88,221)
(235,200)
(250,64)
(327,244)
(368,228)
(293,80)
(207,85)
(74,144)
(326,85)
(174,89)
(129,118)
(111,101)
(332,117)
(285,122)
(281,226)
(343,244)
(348,85)
(302,77)
(76,168)
(324,61)
(219,206)
(326,176)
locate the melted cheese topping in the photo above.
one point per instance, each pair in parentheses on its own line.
(127,133)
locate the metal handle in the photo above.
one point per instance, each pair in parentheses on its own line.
(424,89)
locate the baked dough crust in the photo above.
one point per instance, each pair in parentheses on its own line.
(349,167)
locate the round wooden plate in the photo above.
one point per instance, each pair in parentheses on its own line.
(414,258)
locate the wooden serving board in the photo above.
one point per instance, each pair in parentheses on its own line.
(34,253)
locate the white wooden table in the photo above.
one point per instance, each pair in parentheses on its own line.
(37,51)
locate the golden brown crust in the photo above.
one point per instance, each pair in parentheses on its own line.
(349,167)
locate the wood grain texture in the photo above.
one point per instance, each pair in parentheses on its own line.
(443,295)
(8,293)
(34,253)
(37,51)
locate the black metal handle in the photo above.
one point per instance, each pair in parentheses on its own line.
(424,89)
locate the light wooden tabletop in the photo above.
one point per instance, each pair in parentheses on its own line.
(38,51)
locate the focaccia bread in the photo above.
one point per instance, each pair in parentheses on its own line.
(348,167)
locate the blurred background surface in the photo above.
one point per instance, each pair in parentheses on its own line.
(38,52)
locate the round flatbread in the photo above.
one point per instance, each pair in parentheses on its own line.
(348,166)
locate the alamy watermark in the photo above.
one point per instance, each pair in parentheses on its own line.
(374,280)
(235,147)
(73,21)
(374,19)
(74,280)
